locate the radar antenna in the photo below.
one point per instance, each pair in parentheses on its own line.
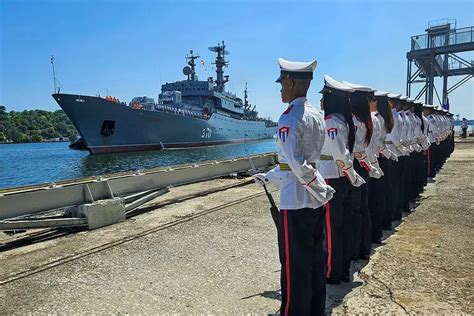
(220,64)
(191,62)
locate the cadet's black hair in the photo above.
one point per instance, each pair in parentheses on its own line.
(336,103)
(419,113)
(385,110)
(360,108)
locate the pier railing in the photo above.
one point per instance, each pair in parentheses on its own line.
(17,203)
(455,37)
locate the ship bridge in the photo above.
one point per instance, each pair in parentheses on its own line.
(439,53)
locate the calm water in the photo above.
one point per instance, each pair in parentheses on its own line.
(23,164)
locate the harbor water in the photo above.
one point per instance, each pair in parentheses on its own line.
(35,163)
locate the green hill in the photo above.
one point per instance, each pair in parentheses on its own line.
(34,125)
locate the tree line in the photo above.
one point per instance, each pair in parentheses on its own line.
(34,126)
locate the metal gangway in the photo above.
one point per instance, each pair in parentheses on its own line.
(438,53)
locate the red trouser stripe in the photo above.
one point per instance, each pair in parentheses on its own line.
(287,260)
(329,237)
(429,161)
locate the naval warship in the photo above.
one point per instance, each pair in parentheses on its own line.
(188,113)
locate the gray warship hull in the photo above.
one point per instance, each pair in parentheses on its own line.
(140,130)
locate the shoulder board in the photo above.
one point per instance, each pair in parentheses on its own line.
(328,117)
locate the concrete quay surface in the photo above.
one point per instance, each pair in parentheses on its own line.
(198,249)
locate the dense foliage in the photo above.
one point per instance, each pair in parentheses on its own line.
(34,125)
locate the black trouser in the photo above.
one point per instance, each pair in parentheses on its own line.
(413,187)
(362,235)
(425,166)
(392,200)
(431,160)
(464,133)
(300,241)
(387,191)
(336,229)
(404,182)
(377,201)
(421,171)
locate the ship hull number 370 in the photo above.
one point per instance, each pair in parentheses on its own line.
(206,133)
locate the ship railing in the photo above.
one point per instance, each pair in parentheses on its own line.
(181,112)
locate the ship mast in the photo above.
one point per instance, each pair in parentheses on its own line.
(220,64)
(54,75)
(191,62)
(246,102)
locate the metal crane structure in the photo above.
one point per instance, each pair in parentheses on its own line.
(438,54)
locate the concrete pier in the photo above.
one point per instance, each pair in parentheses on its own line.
(211,247)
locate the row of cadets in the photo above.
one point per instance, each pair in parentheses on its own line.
(303,194)
(442,134)
(336,166)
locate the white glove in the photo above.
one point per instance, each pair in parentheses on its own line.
(387,153)
(260,179)
(418,148)
(365,164)
(376,172)
(353,176)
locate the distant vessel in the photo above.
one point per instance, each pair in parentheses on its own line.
(188,113)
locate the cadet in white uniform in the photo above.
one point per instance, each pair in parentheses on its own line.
(394,143)
(420,141)
(433,137)
(303,194)
(405,169)
(337,168)
(380,193)
(362,232)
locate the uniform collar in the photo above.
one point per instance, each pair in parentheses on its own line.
(300,100)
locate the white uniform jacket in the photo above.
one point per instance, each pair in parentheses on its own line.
(426,141)
(381,144)
(416,130)
(406,131)
(336,160)
(433,131)
(360,146)
(373,148)
(300,138)
(393,139)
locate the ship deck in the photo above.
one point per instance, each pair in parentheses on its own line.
(210,247)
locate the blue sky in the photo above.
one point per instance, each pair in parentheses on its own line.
(130,48)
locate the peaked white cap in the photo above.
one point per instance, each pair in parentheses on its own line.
(297,66)
(418,102)
(358,87)
(394,96)
(403,97)
(379,93)
(428,106)
(410,100)
(334,84)
(296,69)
